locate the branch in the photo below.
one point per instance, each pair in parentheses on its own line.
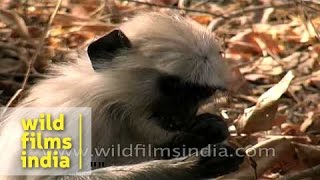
(219,21)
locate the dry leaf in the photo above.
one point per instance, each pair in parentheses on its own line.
(264,157)
(309,155)
(273,94)
(255,77)
(260,117)
(257,119)
(307,122)
(269,66)
(250,43)
(267,44)
(204,19)
(290,129)
(311,124)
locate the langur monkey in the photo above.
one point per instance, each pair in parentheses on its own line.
(144,82)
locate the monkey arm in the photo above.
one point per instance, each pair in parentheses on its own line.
(180,168)
(186,168)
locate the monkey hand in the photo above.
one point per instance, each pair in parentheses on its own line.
(212,128)
(206,129)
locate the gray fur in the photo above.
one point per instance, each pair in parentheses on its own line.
(161,43)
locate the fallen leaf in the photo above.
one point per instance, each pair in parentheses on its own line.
(203,19)
(308,154)
(266,154)
(260,117)
(311,124)
(274,93)
(253,43)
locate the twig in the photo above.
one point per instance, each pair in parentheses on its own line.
(99,9)
(177,8)
(200,3)
(16,94)
(217,22)
(35,55)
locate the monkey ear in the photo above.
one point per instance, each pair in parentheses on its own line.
(105,48)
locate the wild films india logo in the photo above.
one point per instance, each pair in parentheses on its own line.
(52,141)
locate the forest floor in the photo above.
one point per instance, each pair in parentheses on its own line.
(274,45)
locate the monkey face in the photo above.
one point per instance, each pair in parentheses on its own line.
(168,43)
(184,55)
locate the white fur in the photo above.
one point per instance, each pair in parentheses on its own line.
(161,44)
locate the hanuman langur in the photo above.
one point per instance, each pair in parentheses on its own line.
(145,82)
